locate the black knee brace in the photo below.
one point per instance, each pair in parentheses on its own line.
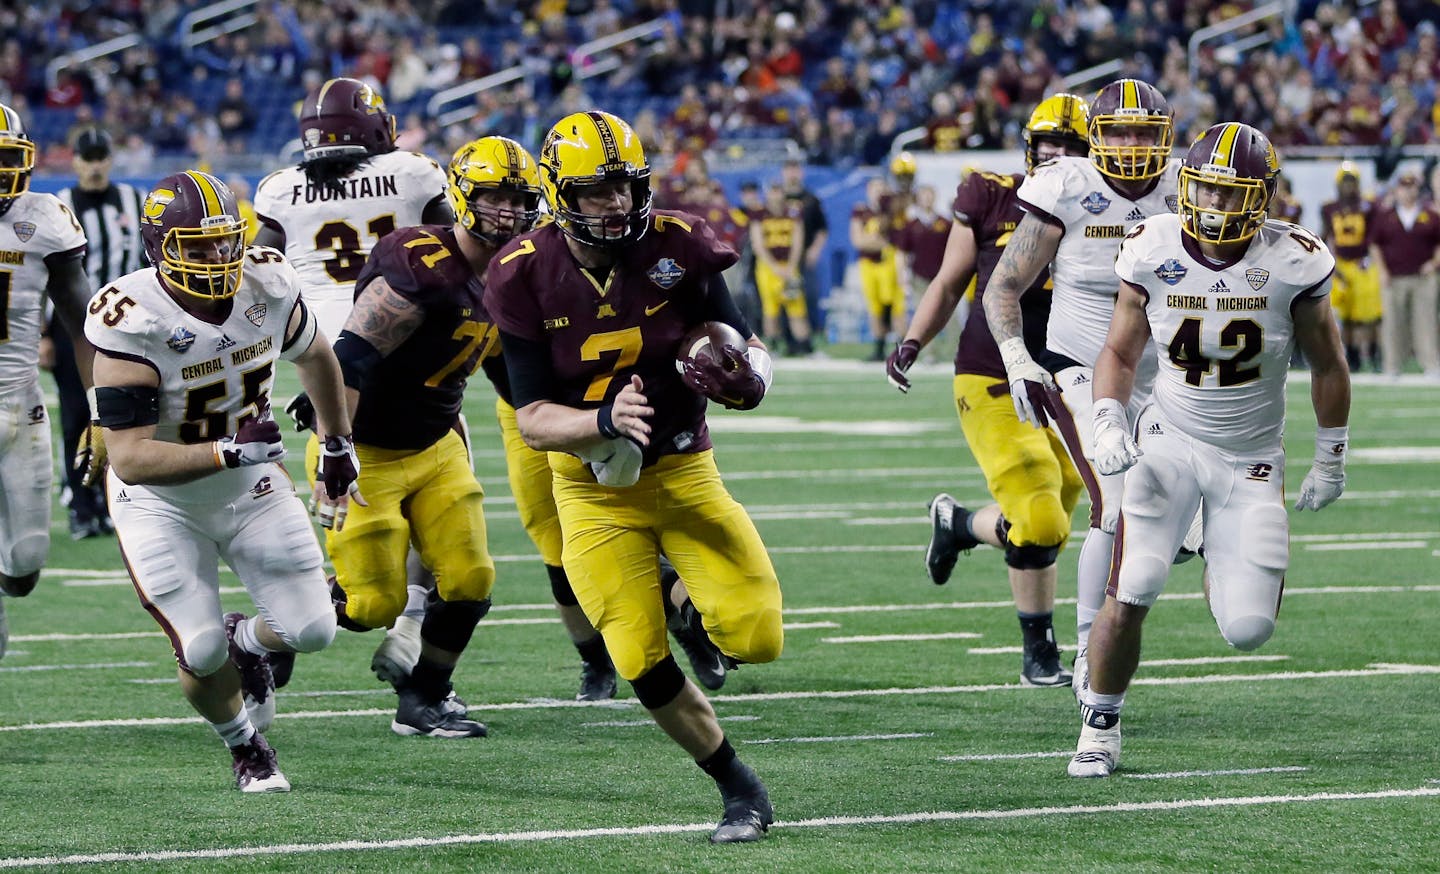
(1030,558)
(338,598)
(560,587)
(660,685)
(448,625)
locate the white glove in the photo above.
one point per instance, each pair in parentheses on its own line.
(1028,382)
(257,442)
(1115,449)
(1326,480)
(616,462)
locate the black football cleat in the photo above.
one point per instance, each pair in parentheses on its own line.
(257,682)
(747,819)
(1040,666)
(706,661)
(416,716)
(949,536)
(282,666)
(597,679)
(255,767)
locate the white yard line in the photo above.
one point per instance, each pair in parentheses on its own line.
(1377,670)
(840,738)
(636,723)
(838,821)
(896,638)
(1386,544)
(1004,757)
(1231,772)
(96,666)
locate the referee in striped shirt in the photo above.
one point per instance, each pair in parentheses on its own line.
(110,214)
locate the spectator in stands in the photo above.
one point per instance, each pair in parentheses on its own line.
(1405,243)
(234,116)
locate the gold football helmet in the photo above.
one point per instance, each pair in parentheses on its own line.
(592,148)
(902,165)
(1061,117)
(194,235)
(1131,130)
(17,158)
(1226,183)
(487,167)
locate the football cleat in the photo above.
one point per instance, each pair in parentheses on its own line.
(1040,666)
(948,537)
(255,767)
(1098,752)
(747,818)
(706,660)
(1081,678)
(282,666)
(397,654)
(257,683)
(455,704)
(1194,543)
(597,679)
(415,716)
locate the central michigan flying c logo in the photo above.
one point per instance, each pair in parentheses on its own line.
(665,273)
(155,204)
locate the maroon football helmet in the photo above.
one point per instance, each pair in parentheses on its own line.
(1226,183)
(1131,130)
(194,235)
(345,118)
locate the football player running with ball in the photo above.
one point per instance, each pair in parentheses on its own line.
(591,310)
(1227,294)
(351,188)
(185,361)
(1077,210)
(1027,471)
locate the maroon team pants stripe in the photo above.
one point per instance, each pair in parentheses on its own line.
(1065,423)
(152,609)
(1117,557)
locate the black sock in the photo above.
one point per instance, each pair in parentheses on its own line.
(593,650)
(1352,357)
(1037,628)
(733,776)
(880,347)
(430,679)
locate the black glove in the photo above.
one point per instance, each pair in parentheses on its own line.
(900,362)
(302,411)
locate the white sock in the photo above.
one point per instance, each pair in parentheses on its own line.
(1091,577)
(248,640)
(237,731)
(415,602)
(1100,701)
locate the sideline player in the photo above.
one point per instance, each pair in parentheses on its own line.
(591,309)
(184,365)
(1076,212)
(776,232)
(872,225)
(326,213)
(42,254)
(1346,222)
(1027,471)
(1227,294)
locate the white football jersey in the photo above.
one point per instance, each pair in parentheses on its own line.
(328,236)
(37,226)
(211,375)
(1096,218)
(1224,334)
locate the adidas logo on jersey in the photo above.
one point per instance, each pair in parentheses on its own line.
(1135,215)
(1154,430)
(224,343)
(1220,288)
(122,497)
(1080,379)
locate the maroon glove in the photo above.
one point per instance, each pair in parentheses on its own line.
(900,362)
(339,466)
(730,381)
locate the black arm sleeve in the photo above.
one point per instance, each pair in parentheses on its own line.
(720,306)
(531,376)
(499,376)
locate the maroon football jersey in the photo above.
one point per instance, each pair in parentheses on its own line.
(1347,225)
(986,203)
(413,395)
(925,241)
(872,221)
(777,231)
(602,329)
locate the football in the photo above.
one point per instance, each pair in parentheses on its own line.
(703,342)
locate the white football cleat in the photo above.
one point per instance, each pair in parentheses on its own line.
(1098,751)
(397,654)
(1081,672)
(255,767)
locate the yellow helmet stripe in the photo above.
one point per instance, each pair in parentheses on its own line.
(607,136)
(1130,95)
(324,89)
(1068,113)
(1225,145)
(206,184)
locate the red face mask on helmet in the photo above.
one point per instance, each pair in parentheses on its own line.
(345,118)
(194,235)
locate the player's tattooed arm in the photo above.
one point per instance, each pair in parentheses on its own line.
(383,317)
(1032,246)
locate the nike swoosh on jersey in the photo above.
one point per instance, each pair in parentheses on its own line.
(650,311)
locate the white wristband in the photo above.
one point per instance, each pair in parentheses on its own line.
(1110,411)
(1013,353)
(760,363)
(1331,443)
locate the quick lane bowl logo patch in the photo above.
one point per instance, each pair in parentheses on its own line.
(1171,271)
(1257,277)
(1172,202)
(24,230)
(181,339)
(1095,203)
(665,273)
(256,314)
